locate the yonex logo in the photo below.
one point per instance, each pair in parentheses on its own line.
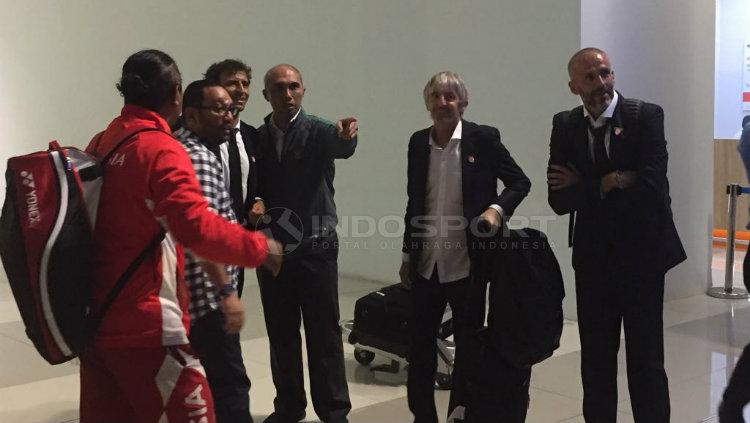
(28,179)
(33,215)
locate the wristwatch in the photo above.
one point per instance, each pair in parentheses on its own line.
(227,290)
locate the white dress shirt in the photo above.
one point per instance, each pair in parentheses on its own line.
(445,242)
(244,161)
(599,122)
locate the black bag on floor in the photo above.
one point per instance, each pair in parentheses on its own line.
(381,320)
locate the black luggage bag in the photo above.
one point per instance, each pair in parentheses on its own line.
(525,323)
(381,326)
(381,320)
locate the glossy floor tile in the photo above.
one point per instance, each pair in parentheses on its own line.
(703,339)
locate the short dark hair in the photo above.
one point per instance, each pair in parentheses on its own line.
(193,95)
(745,120)
(580,53)
(214,72)
(149,79)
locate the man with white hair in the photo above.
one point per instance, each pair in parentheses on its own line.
(453,168)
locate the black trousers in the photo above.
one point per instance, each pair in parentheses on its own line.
(610,295)
(737,393)
(306,291)
(221,357)
(497,392)
(429,300)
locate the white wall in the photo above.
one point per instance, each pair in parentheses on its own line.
(663,52)
(60,61)
(732,32)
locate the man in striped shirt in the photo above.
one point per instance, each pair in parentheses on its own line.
(216,313)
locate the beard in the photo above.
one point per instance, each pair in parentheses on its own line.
(598,101)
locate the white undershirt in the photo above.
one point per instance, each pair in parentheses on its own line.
(244,161)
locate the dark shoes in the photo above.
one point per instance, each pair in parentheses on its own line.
(284,418)
(294,418)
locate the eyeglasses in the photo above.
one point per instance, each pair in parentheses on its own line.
(222,111)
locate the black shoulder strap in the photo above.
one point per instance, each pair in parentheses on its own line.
(572,214)
(96,316)
(571,227)
(122,142)
(631,109)
(93,172)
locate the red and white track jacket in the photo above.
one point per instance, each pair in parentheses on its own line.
(150,182)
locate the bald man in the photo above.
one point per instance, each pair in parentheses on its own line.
(296,155)
(608,170)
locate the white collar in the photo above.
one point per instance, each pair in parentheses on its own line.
(273,123)
(456,134)
(607,114)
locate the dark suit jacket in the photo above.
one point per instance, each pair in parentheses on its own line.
(484,159)
(634,223)
(302,181)
(250,139)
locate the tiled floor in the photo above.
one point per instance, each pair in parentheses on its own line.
(703,339)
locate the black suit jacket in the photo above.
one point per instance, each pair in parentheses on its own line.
(484,159)
(250,140)
(634,223)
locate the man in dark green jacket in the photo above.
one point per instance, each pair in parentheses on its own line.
(295,178)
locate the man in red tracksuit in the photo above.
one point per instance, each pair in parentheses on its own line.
(140,367)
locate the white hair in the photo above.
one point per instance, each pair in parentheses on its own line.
(444,81)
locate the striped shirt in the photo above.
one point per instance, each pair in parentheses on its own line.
(204,294)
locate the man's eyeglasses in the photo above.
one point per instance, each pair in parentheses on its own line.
(222,111)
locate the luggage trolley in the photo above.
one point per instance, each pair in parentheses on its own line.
(380,327)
